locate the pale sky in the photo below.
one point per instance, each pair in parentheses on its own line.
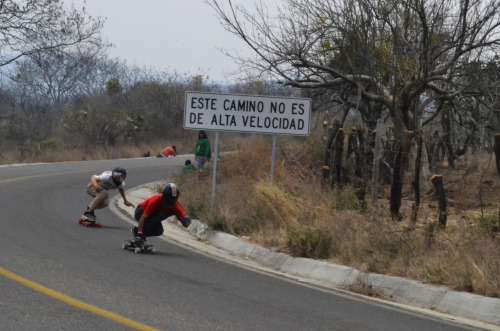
(180,35)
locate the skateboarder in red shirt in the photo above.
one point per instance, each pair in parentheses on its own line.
(152,211)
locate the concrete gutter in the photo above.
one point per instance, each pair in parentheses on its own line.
(461,307)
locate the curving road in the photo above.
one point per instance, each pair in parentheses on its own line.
(58,275)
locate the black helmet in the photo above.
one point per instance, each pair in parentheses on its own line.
(170,194)
(118,175)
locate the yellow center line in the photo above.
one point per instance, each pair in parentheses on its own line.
(39,176)
(75,303)
(70,173)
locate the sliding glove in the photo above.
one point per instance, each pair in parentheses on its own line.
(186,221)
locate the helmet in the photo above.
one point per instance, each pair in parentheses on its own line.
(170,194)
(118,175)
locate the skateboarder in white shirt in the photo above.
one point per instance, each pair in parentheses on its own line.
(99,186)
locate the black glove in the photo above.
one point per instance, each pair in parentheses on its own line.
(98,189)
(186,221)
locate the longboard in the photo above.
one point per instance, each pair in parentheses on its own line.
(145,248)
(89,222)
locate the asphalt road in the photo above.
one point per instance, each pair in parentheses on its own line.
(58,275)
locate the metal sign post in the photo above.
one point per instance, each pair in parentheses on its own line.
(212,202)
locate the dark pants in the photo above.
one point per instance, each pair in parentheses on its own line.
(152,224)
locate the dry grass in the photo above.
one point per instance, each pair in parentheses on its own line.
(297,216)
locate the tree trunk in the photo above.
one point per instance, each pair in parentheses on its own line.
(497,156)
(358,182)
(446,124)
(397,186)
(437,180)
(337,158)
(406,149)
(326,168)
(433,151)
(497,151)
(416,182)
(376,159)
(330,136)
(438,150)
(355,145)
(352,141)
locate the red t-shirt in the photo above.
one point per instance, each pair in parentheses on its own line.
(156,203)
(168,151)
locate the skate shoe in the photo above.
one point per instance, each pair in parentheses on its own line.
(89,215)
(139,241)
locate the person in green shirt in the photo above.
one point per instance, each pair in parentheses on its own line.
(188,167)
(202,150)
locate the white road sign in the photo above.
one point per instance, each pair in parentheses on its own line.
(247,113)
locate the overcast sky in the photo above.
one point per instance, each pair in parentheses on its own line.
(180,35)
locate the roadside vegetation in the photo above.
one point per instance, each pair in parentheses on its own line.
(296,215)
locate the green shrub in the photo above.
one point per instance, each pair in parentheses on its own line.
(51,144)
(346,199)
(311,243)
(244,226)
(238,226)
(196,208)
(218,223)
(314,145)
(485,223)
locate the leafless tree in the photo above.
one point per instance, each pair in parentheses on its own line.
(398,56)
(58,76)
(29,27)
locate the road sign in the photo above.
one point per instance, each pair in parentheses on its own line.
(247,113)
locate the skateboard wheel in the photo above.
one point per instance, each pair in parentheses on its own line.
(80,221)
(125,245)
(87,223)
(99,225)
(153,250)
(137,250)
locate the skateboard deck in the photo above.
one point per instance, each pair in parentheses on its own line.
(144,248)
(89,222)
